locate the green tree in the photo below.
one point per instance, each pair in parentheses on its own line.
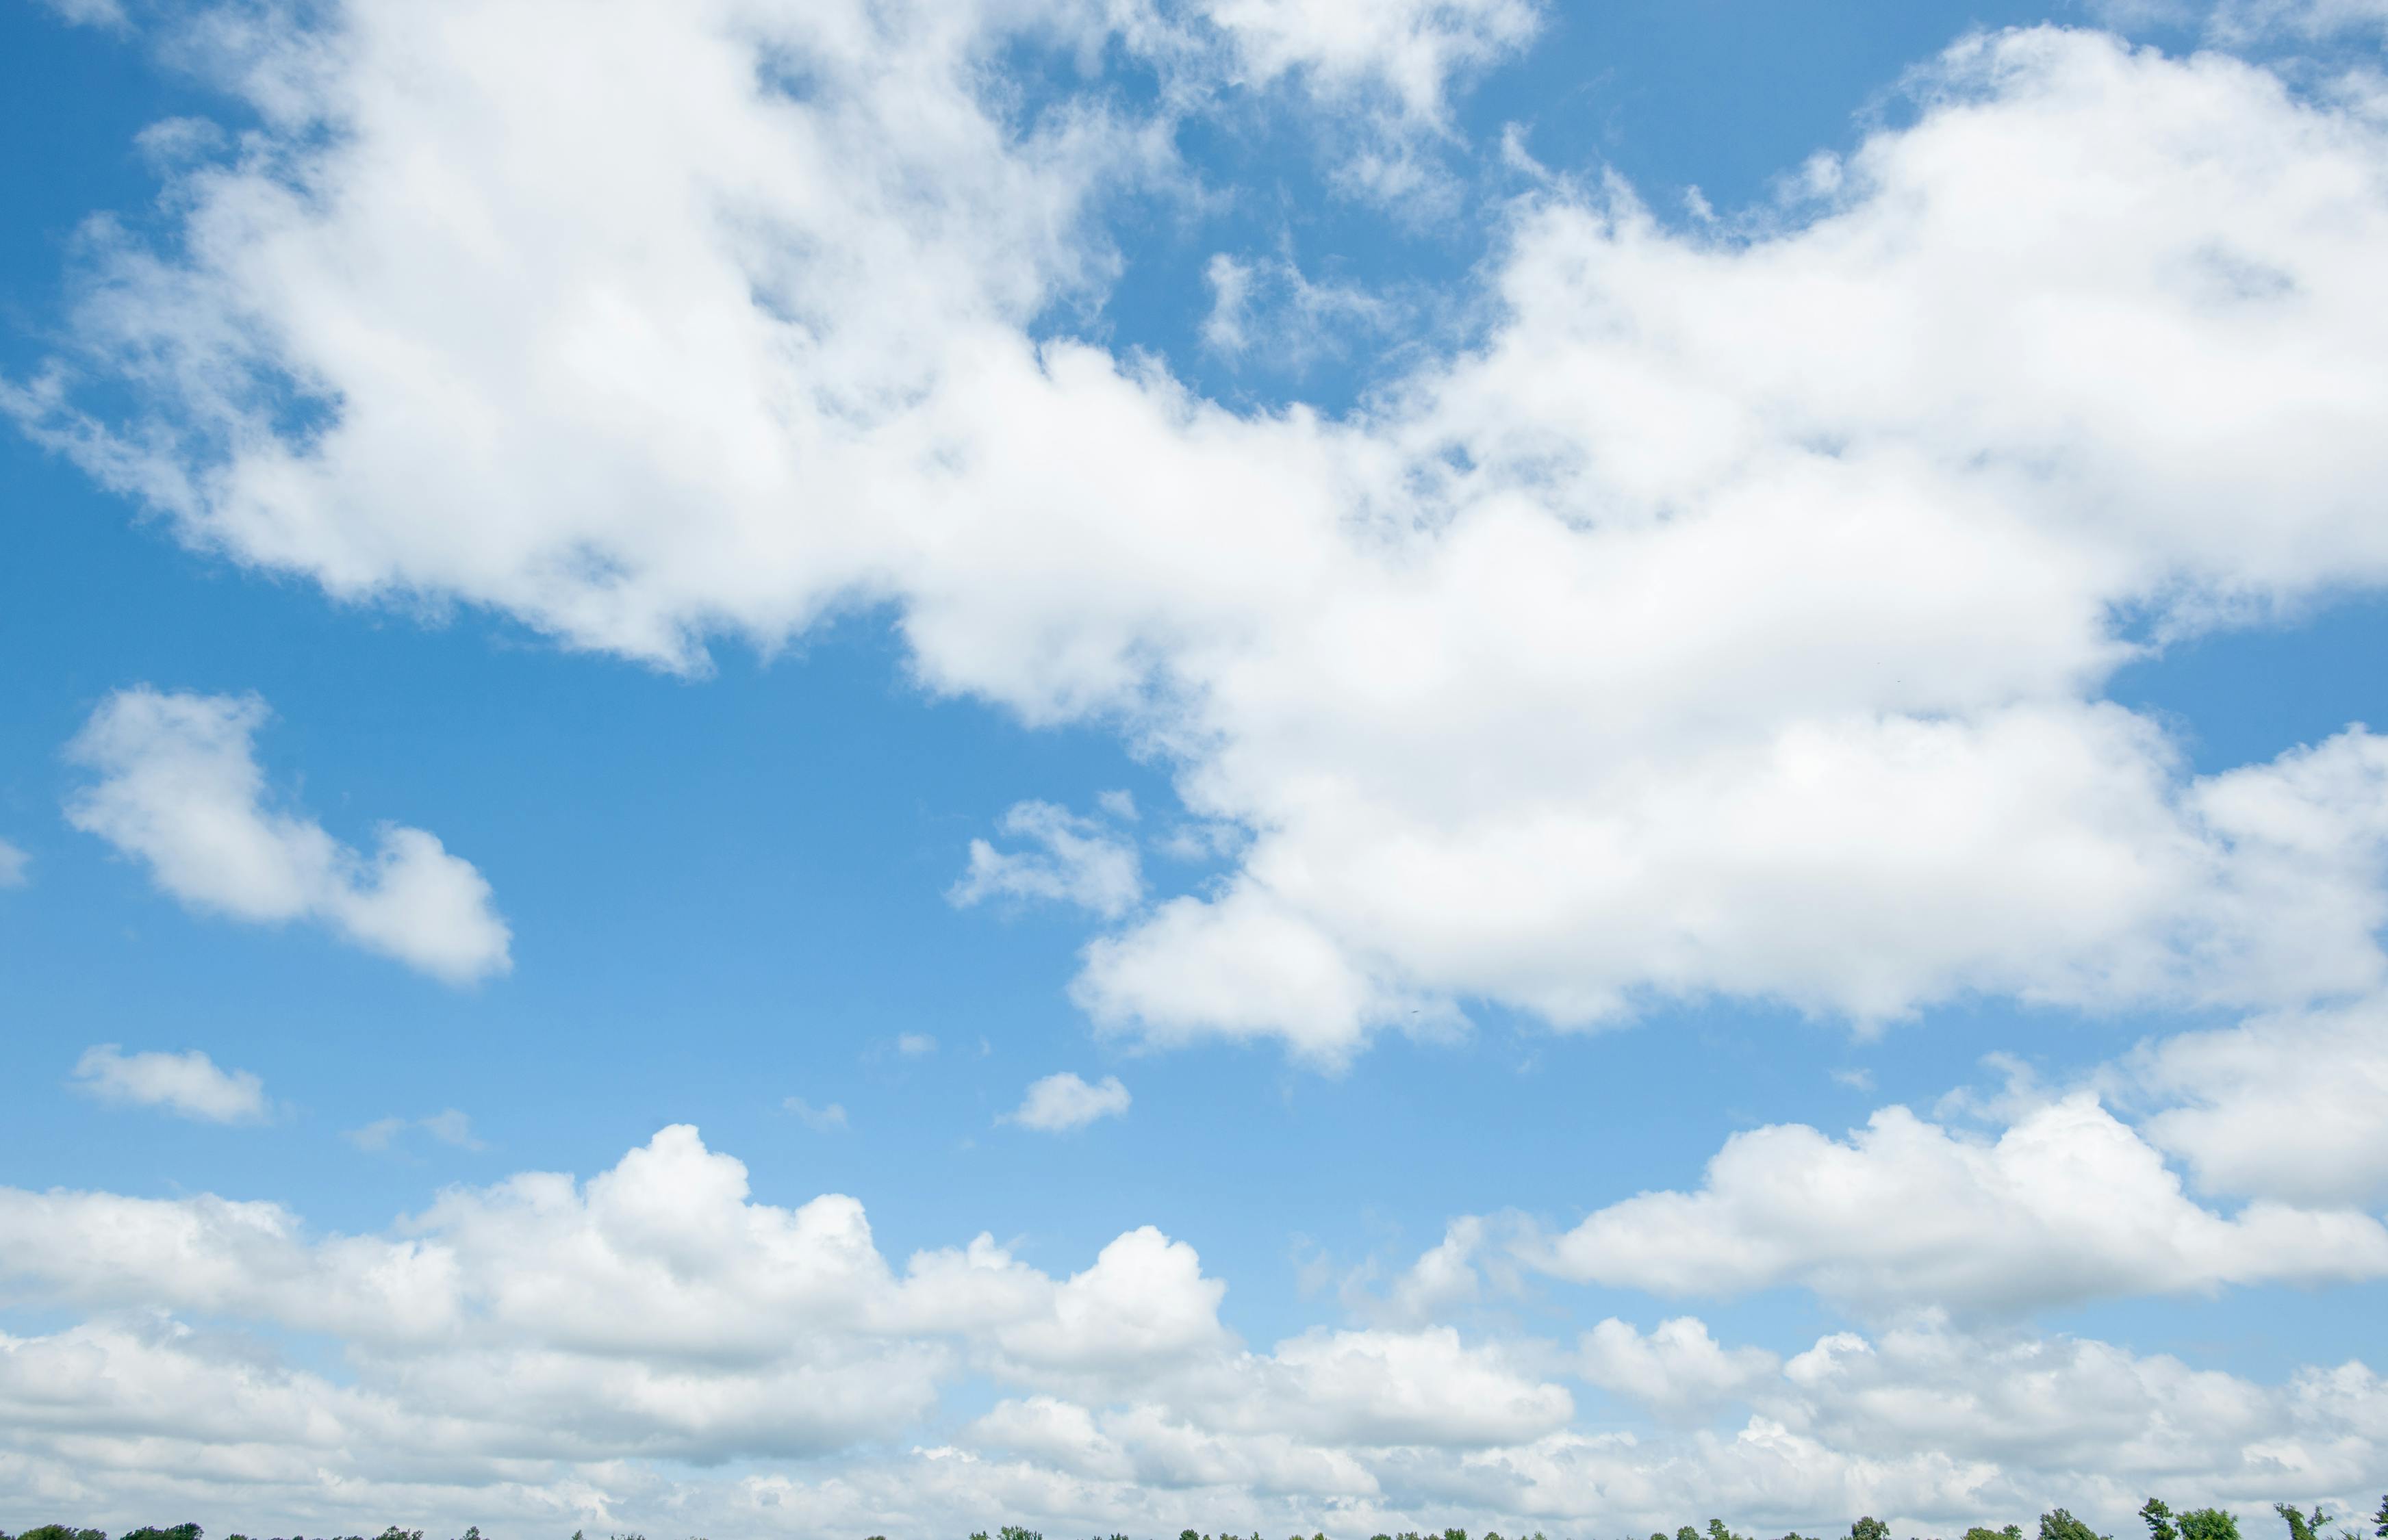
(1983,1532)
(1718,1531)
(2208,1523)
(61,1532)
(2158,1518)
(2057,1524)
(1687,1533)
(151,1532)
(2380,1519)
(2302,1526)
(1872,1528)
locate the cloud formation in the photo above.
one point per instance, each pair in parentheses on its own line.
(1731,614)
(1730,618)
(823,1120)
(546,1350)
(14,866)
(179,788)
(187,1084)
(2285,1107)
(2066,1205)
(1060,1102)
(1412,49)
(1082,860)
(450,1127)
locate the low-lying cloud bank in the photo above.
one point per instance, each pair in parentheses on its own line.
(654,1347)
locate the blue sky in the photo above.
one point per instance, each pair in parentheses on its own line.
(708,618)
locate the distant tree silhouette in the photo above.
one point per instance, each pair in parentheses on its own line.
(2057,1524)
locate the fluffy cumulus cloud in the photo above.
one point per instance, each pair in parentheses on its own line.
(1676,1369)
(548,1352)
(1962,1424)
(179,788)
(2286,1108)
(1731,617)
(188,1083)
(1059,1102)
(15,866)
(2067,1204)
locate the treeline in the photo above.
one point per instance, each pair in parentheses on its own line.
(2196,1523)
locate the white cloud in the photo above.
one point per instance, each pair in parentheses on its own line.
(180,790)
(1730,619)
(2286,1108)
(90,13)
(1143,1306)
(1412,48)
(2234,21)
(543,1350)
(915,1045)
(450,1127)
(1676,1369)
(15,866)
(825,1119)
(453,1128)
(188,1083)
(1059,1102)
(1274,309)
(660,1279)
(1960,1426)
(379,1134)
(1081,862)
(2067,1204)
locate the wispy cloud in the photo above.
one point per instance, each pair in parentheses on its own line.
(186,1083)
(823,1120)
(1062,1102)
(1071,860)
(450,1127)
